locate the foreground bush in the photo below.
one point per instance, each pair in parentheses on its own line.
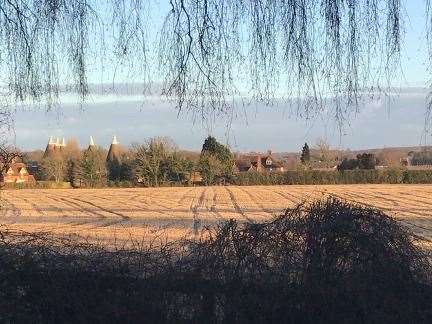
(327,262)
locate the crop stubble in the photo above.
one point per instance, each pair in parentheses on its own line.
(150,214)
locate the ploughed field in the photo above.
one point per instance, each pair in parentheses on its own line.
(157,214)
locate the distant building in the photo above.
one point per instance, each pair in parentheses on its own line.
(258,163)
(17,173)
(53,147)
(114,151)
(92,146)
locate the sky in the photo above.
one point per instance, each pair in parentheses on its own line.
(398,121)
(381,122)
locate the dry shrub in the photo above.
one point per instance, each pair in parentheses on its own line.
(325,262)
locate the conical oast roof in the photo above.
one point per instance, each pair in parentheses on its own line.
(114,151)
(61,144)
(50,148)
(92,145)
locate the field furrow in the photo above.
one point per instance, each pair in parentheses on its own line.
(170,213)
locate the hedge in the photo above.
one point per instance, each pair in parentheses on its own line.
(387,176)
(37,185)
(308,177)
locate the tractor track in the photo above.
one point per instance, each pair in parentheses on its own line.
(124,217)
(237,207)
(255,200)
(213,207)
(71,202)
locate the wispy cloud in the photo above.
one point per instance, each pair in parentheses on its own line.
(398,121)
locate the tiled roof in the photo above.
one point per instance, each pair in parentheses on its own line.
(16,167)
(256,161)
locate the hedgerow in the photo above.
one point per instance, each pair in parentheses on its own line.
(313,177)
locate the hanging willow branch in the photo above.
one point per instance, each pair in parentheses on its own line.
(210,52)
(428,116)
(39,38)
(302,50)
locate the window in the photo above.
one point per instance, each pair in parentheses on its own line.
(269,161)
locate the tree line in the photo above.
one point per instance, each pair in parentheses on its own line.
(156,162)
(159,162)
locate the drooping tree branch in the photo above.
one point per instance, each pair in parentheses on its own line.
(303,50)
(211,52)
(41,41)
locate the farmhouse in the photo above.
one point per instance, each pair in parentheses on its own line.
(17,173)
(258,163)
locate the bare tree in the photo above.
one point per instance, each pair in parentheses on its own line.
(323,148)
(53,168)
(72,149)
(8,155)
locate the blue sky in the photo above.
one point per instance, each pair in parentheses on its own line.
(380,123)
(255,128)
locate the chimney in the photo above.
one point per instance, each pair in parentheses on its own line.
(258,162)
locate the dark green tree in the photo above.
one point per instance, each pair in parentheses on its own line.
(366,161)
(216,149)
(178,168)
(305,155)
(158,162)
(348,164)
(218,156)
(210,168)
(210,145)
(94,172)
(148,161)
(74,172)
(126,168)
(114,169)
